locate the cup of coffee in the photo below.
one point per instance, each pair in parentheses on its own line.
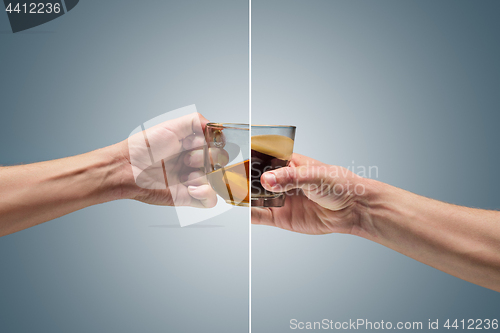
(226,161)
(271,149)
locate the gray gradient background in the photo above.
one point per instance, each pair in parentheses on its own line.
(84,81)
(412,87)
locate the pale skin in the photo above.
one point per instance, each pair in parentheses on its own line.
(35,193)
(460,241)
(463,242)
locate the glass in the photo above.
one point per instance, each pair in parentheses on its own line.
(226,161)
(272,148)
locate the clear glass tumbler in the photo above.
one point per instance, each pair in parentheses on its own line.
(271,148)
(226,161)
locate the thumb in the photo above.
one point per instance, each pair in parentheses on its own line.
(289,178)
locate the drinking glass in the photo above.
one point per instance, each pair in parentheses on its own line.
(272,148)
(226,161)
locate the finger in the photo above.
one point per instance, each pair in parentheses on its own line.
(301,160)
(166,139)
(193,142)
(186,125)
(195,178)
(288,178)
(263,216)
(203,122)
(218,157)
(194,159)
(204,195)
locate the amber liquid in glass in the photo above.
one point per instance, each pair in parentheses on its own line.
(232,183)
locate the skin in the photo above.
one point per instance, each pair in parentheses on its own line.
(35,193)
(460,241)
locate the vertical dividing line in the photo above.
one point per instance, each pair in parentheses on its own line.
(250,165)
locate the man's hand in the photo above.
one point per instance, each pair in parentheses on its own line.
(321,198)
(161,165)
(461,241)
(164,164)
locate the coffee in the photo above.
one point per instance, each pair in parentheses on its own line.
(268,152)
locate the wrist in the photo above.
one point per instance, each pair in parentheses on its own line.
(375,201)
(383,209)
(114,165)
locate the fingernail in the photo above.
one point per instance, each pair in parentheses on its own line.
(270,179)
(192,188)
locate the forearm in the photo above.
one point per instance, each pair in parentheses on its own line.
(39,192)
(461,241)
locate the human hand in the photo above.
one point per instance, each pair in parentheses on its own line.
(321,198)
(165,164)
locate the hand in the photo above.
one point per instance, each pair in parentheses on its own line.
(165,163)
(161,165)
(321,198)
